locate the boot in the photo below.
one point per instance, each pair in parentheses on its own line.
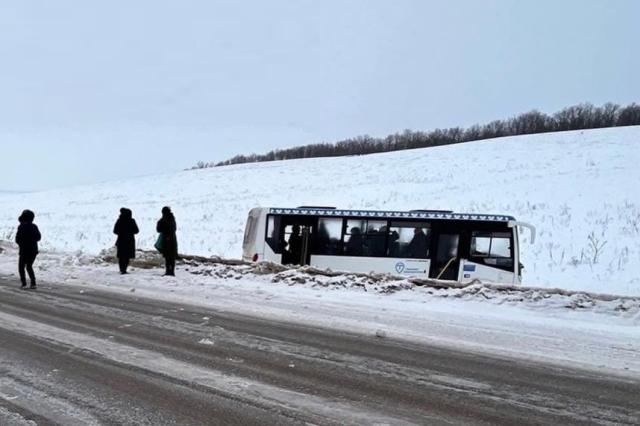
(170,268)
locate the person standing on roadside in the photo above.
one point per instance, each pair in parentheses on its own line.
(168,243)
(126,229)
(27,238)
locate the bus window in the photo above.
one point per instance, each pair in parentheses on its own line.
(292,237)
(376,238)
(365,237)
(353,240)
(501,247)
(329,236)
(292,245)
(249,237)
(273,233)
(480,245)
(492,248)
(409,239)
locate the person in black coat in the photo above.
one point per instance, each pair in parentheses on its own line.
(27,239)
(125,228)
(166,227)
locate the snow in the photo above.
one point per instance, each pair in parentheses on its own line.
(565,328)
(239,387)
(31,399)
(10,418)
(572,185)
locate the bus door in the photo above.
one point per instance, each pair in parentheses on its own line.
(297,240)
(446,255)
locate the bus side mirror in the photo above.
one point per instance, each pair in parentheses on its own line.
(531,228)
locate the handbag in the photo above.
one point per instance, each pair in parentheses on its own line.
(159,245)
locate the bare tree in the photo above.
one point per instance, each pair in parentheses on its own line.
(576,117)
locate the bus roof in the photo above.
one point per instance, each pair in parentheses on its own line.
(391,214)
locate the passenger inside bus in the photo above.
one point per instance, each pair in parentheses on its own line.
(418,246)
(294,246)
(353,247)
(394,237)
(377,241)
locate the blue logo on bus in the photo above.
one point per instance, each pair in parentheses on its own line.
(400,266)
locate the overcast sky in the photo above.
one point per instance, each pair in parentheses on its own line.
(92,91)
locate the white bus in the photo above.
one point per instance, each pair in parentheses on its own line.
(418,243)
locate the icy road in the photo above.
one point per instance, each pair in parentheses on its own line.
(73,358)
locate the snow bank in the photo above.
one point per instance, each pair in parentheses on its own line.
(579,188)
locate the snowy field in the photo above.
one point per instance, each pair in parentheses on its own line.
(579,188)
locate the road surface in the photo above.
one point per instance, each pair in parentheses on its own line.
(71,356)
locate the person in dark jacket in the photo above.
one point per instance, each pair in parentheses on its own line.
(27,239)
(126,229)
(166,227)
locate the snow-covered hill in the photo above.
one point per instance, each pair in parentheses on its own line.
(581,189)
